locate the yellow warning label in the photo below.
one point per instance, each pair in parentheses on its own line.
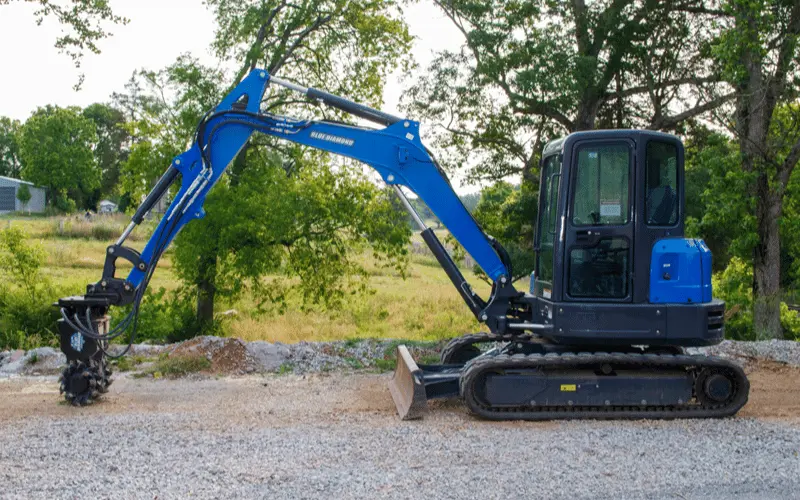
(568,388)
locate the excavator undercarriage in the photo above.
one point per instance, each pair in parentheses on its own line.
(523,379)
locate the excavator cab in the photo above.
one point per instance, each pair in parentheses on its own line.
(612,264)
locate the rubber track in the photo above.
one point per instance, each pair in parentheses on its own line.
(478,367)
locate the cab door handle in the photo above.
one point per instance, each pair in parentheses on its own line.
(589,237)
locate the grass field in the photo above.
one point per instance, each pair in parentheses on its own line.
(424,306)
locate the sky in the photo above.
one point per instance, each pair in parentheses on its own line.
(35,73)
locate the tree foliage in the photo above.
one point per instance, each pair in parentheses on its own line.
(161,111)
(313,224)
(56,147)
(10,162)
(283,210)
(346,47)
(24,195)
(111,149)
(531,70)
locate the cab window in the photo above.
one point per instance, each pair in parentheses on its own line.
(601,186)
(661,193)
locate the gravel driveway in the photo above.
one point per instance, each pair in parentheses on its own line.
(337,436)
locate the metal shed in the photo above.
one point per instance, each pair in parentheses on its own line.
(9,201)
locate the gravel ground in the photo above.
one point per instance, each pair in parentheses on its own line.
(337,436)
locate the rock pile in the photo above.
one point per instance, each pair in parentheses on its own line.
(234,356)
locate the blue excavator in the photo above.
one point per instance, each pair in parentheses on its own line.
(617,292)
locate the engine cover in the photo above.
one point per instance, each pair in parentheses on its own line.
(680,272)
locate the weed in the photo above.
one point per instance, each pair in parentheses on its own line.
(128,363)
(391,348)
(386,365)
(124,364)
(177,366)
(429,359)
(354,363)
(285,368)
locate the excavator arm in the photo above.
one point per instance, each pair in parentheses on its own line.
(394,151)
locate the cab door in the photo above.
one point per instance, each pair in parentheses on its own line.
(599,227)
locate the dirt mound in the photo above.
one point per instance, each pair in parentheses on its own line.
(225,354)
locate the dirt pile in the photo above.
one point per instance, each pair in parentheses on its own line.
(226,355)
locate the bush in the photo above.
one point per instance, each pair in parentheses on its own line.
(64,204)
(27,317)
(790,321)
(27,322)
(734,285)
(167,317)
(99,227)
(179,366)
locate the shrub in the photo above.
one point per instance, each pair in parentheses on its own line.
(167,317)
(27,317)
(734,285)
(790,321)
(64,204)
(27,322)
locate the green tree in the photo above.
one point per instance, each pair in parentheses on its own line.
(507,213)
(283,209)
(346,48)
(715,207)
(532,70)
(10,162)
(56,147)
(759,55)
(314,224)
(24,195)
(83,21)
(161,110)
(111,148)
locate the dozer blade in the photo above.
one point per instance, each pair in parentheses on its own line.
(408,387)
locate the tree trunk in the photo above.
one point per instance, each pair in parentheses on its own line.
(586,116)
(206,291)
(767,263)
(587,113)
